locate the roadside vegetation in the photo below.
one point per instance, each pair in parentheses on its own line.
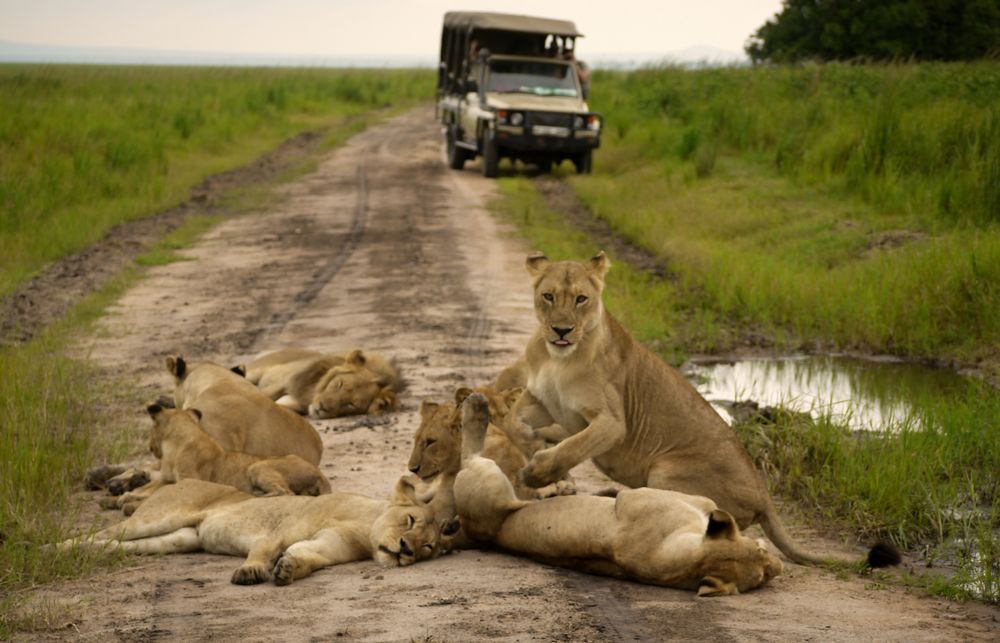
(81,150)
(856,206)
(928,483)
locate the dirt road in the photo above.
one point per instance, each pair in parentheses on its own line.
(384,248)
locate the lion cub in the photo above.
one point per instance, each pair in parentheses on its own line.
(327,385)
(186,451)
(653,536)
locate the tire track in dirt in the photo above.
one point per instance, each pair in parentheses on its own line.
(434,281)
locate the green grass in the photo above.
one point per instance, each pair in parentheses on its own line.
(84,148)
(852,205)
(934,491)
(53,426)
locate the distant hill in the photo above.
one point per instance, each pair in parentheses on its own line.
(19,52)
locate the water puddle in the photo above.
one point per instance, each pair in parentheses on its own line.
(867,394)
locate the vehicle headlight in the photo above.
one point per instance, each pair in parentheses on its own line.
(578,122)
(516,119)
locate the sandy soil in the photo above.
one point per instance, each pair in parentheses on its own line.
(384,248)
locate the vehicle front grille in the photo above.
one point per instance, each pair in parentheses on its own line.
(549,118)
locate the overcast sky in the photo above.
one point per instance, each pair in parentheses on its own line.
(367,27)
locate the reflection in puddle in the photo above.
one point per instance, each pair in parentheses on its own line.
(868,394)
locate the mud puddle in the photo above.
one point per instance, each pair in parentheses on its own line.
(868,394)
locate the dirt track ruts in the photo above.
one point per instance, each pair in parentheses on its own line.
(384,248)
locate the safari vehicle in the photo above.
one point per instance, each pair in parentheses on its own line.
(509,87)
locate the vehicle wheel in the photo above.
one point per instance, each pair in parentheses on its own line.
(491,157)
(583,162)
(456,155)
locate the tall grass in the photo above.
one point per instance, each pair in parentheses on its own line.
(931,483)
(54,424)
(846,204)
(84,148)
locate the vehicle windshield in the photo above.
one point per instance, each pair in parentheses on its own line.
(531,77)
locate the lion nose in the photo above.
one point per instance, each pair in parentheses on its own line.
(404,548)
(562,332)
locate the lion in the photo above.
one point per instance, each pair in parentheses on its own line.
(650,535)
(327,385)
(185,451)
(284,538)
(639,420)
(437,444)
(233,412)
(239,416)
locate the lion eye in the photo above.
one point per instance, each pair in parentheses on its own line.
(412,521)
(427,443)
(429,547)
(581,299)
(547,296)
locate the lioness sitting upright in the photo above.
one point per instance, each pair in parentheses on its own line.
(650,535)
(640,421)
(327,385)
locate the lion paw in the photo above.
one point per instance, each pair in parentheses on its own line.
(284,570)
(97,478)
(124,483)
(558,488)
(251,575)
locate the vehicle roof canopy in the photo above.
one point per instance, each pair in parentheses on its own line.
(510,22)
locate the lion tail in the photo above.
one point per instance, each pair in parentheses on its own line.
(882,554)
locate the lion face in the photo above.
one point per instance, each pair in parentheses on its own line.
(567,300)
(408,531)
(733,563)
(437,445)
(351,389)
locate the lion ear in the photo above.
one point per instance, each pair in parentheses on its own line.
(196,413)
(599,264)
(405,492)
(712,586)
(154,410)
(385,400)
(450,527)
(176,366)
(512,395)
(240,370)
(536,264)
(356,357)
(427,409)
(461,394)
(721,525)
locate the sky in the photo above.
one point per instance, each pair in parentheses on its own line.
(367,28)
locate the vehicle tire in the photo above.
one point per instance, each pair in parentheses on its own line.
(491,156)
(456,155)
(584,162)
(544,166)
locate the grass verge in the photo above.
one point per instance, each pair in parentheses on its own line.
(934,491)
(846,205)
(84,148)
